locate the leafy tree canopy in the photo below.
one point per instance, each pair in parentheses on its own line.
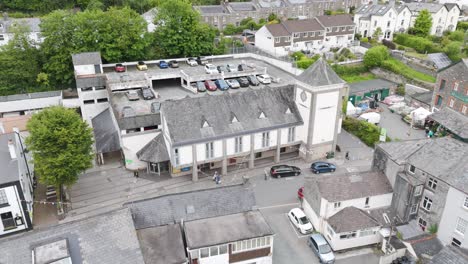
(375,56)
(423,23)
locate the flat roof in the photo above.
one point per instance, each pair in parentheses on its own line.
(225,229)
(162,244)
(370,85)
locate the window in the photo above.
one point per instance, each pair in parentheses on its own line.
(455,86)
(304,34)
(7,220)
(465,203)
(418,190)
(291,134)
(176,157)
(461,225)
(194,254)
(238,144)
(265,139)
(348,236)
(3,198)
(320,33)
(204,253)
(277,40)
(375,23)
(343,28)
(250,244)
(402,22)
(223,249)
(451,102)
(412,169)
(366,233)
(414,209)
(367,201)
(456,242)
(102,100)
(288,39)
(432,183)
(2,37)
(209,150)
(311,34)
(439,100)
(337,205)
(88,101)
(213,251)
(388,24)
(422,223)
(442,85)
(328,29)
(296,35)
(427,203)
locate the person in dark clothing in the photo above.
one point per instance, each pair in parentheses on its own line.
(347,155)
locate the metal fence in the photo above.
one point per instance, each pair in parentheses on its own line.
(252,49)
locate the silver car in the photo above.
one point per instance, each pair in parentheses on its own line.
(321,248)
(233,83)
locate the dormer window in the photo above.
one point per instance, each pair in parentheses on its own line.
(205,123)
(234,119)
(288,111)
(262,115)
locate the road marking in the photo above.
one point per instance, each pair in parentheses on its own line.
(351,169)
(279,205)
(298,234)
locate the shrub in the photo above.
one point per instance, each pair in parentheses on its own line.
(305,62)
(389,44)
(230,29)
(357,36)
(400,90)
(349,70)
(420,44)
(456,36)
(401,47)
(462,25)
(298,55)
(366,132)
(453,51)
(433,229)
(375,56)
(365,40)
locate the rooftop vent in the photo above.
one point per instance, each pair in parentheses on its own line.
(52,253)
(288,111)
(234,118)
(190,209)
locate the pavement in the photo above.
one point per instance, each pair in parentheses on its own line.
(397,129)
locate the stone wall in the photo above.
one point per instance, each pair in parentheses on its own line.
(393,77)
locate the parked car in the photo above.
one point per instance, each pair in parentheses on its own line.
(147,93)
(253,80)
(321,248)
(279,171)
(192,62)
(221,69)
(243,81)
(321,166)
(210,85)
(173,64)
(221,84)
(264,78)
(300,221)
(210,69)
(201,87)
(132,95)
(163,64)
(233,83)
(119,67)
(242,67)
(300,193)
(231,68)
(141,66)
(202,60)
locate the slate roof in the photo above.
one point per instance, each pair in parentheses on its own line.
(9,166)
(224,229)
(320,74)
(370,85)
(400,151)
(278,30)
(351,219)
(271,3)
(87,82)
(349,186)
(218,110)
(107,238)
(426,244)
(162,244)
(155,151)
(425,97)
(193,205)
(19,97)
(86,58)
(211,9)
(449,6)
(303,25)
(431,7)
(106,135)
(242,6)
(373,10)
(336,20)
(139,121)
(454,121)
(451,255)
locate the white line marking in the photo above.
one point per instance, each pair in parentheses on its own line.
(279,205)
(351,169)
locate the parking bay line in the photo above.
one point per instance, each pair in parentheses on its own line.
(278,205)
(295,229)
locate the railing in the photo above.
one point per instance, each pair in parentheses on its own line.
(252,49)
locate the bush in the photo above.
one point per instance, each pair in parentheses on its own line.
(420,44)
(366,132)
(453,51)
(298,55)
(401,47)
(305,62)
(365,40)
(357,36)
(230,29)
(399,67)
(456,36)
(375,56)
(462,25)
(389,44)
(349,70)
(400,90)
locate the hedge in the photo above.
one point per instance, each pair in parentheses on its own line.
(305,62)
(420,44)
(366,132)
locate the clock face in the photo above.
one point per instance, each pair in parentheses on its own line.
(303,96)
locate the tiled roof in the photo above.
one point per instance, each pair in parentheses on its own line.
(431,7)
(213,9)
(320,74)
(373,10)
(451,255)
(278,30)
(303,25)
(336,20)
(351,219)
(456,122)
(162,244)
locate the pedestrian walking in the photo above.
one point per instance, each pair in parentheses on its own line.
(218,179)
(347,155)
(215,176)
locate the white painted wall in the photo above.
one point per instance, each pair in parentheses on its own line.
(29,104)
(339,244)
(84,70)
(224,258)
(258,140)
(230,145)
(14,207)
(310,213)
(262,260)
(374,202)
(304,109)
(452,211)
(403,20)
(325,117)
(264,40)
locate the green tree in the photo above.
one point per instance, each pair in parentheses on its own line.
(375,56)
(180,33)
(61,146)
(272,17)
(377,34)
(20,63)
(453,50)
(230,29)
(456,35)
(423,23)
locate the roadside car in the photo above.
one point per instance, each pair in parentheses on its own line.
(253,80)
(300,221)
(233,83)
(322,167)
(320,247)
(147,93)
(221,84)
(210,85)
(119,67)
(202,60)
(243,81)
(264,78)
(231,68)
(200,87)
(132,95)
(279,171)
(210,69)
(173,64)
(192,62)
(163,64)
(141,66)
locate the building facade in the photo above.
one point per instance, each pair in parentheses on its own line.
(9,25)
(444,16)
(453,229)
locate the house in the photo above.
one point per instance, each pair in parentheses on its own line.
(450,122)
(233,13)
(149,17)
(423,174)
(389,18)
(450,255)
(219,225)
(453,228)
(349,209)
(106,238)
(26,104)
(17,183)
(376,89)
(317,35)
(9,25)
(444,16)
(451,88)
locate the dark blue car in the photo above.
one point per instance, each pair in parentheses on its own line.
(222,85)
(321,167)
(163,64)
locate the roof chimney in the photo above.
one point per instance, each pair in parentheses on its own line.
(11,148)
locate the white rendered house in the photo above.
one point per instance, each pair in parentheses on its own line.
(453,228)
(444,17)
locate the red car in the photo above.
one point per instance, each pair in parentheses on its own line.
(119,67)
(210,85)
(300,193)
